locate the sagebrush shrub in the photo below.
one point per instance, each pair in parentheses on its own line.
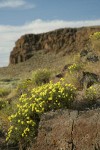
(24,86)
(93,92)
(4,92)
(2,104)
(74,73)
(41,77)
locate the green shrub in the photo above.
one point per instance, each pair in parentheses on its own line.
(42,99)
(41,77)
(93,92)
(74,73)
(74,67)
(95,42)
(95,36)
(4,92)
(24,86)
(2,104)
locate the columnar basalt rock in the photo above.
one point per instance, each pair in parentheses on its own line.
(68,39)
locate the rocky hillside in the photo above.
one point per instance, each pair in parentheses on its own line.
(71,54)
(68,39)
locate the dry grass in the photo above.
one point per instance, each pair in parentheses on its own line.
(4,122)
(51,60)
(92,67)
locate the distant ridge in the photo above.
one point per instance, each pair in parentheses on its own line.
(67,39)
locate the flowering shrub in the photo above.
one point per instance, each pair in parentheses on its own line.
(93,92)
(43,98)
(95,42)
(74,67)
(95,36)
(73,75)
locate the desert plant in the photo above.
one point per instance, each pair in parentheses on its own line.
(74,67)
(41,99)
(2,104)
(4,92)
(23,86)
(93,92)
(95,42)
(74,73)
(41,77)
(95,36)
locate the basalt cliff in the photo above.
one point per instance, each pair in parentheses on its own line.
(67,39)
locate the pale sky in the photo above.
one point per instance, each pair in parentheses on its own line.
(18,17)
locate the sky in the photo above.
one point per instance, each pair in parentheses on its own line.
(19,17)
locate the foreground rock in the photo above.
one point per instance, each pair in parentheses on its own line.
(69,130)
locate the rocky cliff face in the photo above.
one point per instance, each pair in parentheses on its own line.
(69,130)
(68,39)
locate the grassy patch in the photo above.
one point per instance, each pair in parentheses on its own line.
(4,92)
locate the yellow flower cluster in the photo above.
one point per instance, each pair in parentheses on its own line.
(10,130)
(95,36)
(93,92)
(31,106)
(73,67)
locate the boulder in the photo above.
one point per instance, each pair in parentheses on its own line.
(92,57)
(89,55)
(83,53)
(60,75)
(88,79)
(69,130)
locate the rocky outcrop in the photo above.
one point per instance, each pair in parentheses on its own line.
(89,79)
(69,130)
(89,55)
(68,39)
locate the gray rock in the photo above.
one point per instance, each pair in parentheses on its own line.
(69,130)
(88,79)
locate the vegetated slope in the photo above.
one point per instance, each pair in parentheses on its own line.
(68,40)
(48,50)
